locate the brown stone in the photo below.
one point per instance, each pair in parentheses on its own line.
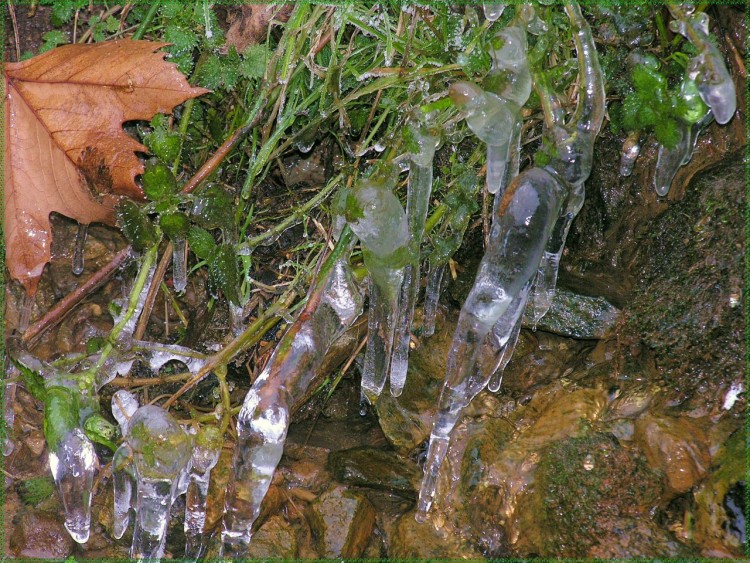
(342,522)
(41,535)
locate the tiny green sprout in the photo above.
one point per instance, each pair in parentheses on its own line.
(175,225)
(100,431)
(438,105)
(158,181)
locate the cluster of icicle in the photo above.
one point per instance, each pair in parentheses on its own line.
(158,459)
(706,76)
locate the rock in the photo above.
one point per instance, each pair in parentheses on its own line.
(305,467)
(41,535)
(413,541)
(675,446)
(577,316)
(341,522)
(274,540)
(375,468)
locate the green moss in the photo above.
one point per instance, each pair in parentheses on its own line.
(36,489)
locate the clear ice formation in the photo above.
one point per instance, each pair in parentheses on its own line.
(631,148)
(152,460)
(332,306)
(417,201)
(668,161)
(206,453)
(73,464)
(707,68)
(383,230)
(493,10)
(526,238)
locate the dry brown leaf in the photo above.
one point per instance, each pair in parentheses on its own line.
(65,149)
(248,23)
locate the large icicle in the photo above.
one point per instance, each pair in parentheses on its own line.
(381,225)
(421,152)
(531,220)
(332,306)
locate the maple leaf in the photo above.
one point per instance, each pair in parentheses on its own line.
(65,148)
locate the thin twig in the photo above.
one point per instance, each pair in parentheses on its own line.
(103,16)
(62,307)
(12,11)
(161,269)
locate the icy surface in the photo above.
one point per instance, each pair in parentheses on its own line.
(669,161)
(124,405)
(527,235)
(493,10)
(263,421)
(631,148)
(431,297)
(73,464)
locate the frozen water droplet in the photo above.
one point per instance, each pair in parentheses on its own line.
(588,462)
(124,405)
(493,10)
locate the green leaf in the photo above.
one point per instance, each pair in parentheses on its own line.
(60,415)
(175,225)
(212,209)
(201,242)
(158,181)
(33,381)
(52,39)
(164,143)
(223,273)
(254,61)
(181,38)
(135,225)
(101,431)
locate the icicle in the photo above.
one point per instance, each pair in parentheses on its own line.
(631,148)
(669,161)
(205,456)
(431,298)
(73,464)
(715,85)
(236,318)
(9,413)
(161,452)
(531,221)
(179,264)
(383,229)
(123,489)
(332,306)
(493,10)
(79,250)
(417,202)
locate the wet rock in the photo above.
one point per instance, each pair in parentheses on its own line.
(588,490)
(375,468)
(341,522)
(305,467)
(413,541)
(41,535)
(675,446)
(577,316)
(274,540)
(720,510)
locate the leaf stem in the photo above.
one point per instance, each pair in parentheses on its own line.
(141,31)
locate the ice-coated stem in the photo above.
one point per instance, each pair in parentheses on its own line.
(179,264)
(417,201)
(73,464)
(431,297)
(9,398)
(79,249)
(332,306)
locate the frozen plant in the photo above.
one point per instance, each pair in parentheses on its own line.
(332,306)
(526,239)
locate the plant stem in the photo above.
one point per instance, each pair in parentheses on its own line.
(141,31)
